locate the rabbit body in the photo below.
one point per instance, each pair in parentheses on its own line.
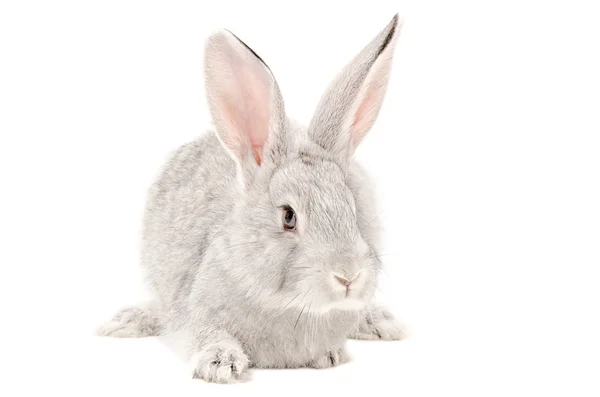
(260,239)
(189,257)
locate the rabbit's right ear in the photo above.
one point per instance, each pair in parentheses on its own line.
(243,96)
(352,102)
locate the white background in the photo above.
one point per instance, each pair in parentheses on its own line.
(486,156)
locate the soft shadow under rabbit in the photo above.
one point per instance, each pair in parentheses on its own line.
(260,239)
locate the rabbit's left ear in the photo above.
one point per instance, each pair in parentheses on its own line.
(243,96)
(352,102)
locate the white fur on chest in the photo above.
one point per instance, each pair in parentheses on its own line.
(295,340)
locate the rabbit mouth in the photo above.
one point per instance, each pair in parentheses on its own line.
(346,303)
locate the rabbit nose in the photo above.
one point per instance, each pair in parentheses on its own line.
(342,281)
(345,280)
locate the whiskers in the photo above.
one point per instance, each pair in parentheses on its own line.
(299,315)
(291,300)
(303,274)
(372,220)
(375,257)
(246,243)
(374,254)
(303,307)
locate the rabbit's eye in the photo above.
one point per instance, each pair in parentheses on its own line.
(289,218)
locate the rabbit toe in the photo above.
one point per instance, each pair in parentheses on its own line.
(331,359)
(377,323)
(222,362)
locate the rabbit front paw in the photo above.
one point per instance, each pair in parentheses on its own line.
(331,359)
(223,362)
(378,323)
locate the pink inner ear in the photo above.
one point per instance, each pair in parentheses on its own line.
(371,97)
(257,153)
(251,94)
(363,118)
(240,91)
(258,101)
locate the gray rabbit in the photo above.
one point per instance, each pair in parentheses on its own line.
(260,239)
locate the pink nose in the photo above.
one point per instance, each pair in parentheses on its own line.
(343,281)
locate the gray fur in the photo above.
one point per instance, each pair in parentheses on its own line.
(225,273)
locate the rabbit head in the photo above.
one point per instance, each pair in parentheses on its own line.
(293,236)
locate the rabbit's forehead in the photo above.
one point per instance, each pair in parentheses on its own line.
(314,185)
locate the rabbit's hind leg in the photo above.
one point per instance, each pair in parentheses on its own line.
(133,322)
